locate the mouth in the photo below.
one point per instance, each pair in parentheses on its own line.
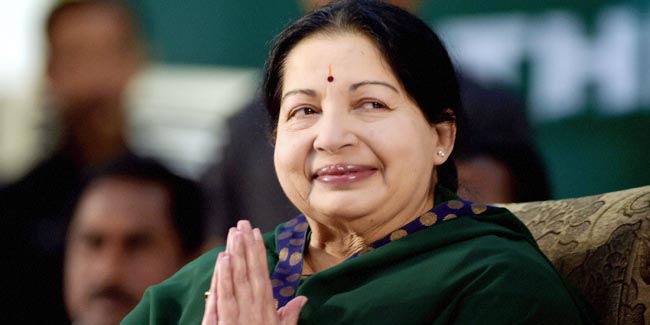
(342,173)
(112,299)
(111,305)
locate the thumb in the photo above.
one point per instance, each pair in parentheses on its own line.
(289,314)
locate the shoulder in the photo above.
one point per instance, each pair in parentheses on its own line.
(499,246)
(485,225)
(42,172)
(487,249)
(506,277)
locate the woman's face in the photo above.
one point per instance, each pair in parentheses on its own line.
(356,146)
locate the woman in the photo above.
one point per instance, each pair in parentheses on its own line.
(365,101)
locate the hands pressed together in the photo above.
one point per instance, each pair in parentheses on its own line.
(240,291)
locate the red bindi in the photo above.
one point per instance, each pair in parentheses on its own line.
(330,78)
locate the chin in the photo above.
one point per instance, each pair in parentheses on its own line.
(101,319)
(344,208)
(105,312)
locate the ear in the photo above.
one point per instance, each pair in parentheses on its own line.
(444,139)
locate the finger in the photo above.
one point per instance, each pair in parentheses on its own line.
(244,225)
(229,240)
(242,286)
(257,264)
(260,278)
(290,313)
(213,281)
(226,303)
(210,315)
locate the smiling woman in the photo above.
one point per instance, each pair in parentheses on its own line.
(356,149)
(365,103)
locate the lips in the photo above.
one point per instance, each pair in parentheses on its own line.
(342,174)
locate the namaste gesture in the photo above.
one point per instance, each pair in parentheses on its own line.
(240,291)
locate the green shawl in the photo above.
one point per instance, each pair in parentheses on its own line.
(483,269)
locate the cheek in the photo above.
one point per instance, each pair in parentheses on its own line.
(291,153)
(399,139)
(281,160)
(292,158)
(79,259)
(152,267)
(406,150)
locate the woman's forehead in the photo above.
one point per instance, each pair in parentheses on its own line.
(344,54)
(333,45)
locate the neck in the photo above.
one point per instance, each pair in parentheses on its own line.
(92,143)
(94,132)
(334,241)
(324,253)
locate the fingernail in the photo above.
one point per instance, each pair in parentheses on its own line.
(243,225)
(257,234)
(303,302)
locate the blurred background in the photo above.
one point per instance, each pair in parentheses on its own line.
(582,68)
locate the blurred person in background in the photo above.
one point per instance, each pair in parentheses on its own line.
(498,161)
(135,224)
(93,52)
(243,184)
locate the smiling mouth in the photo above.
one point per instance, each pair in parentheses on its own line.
(341,174)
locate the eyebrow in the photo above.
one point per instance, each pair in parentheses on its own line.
(308,92)
(371,82)
(353,87)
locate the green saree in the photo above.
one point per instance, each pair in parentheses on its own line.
(471,269)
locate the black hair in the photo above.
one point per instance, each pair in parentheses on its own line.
(186,201)
(415,53)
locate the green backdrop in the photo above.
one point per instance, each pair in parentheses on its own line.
(591,144)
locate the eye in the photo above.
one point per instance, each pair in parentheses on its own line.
(372,105)
(92,241)
(139,241)
(302,111)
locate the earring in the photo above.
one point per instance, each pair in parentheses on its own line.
(441,153)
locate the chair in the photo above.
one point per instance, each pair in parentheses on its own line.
(602,244)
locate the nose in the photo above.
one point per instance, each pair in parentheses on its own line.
(110,267)
(335,131)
